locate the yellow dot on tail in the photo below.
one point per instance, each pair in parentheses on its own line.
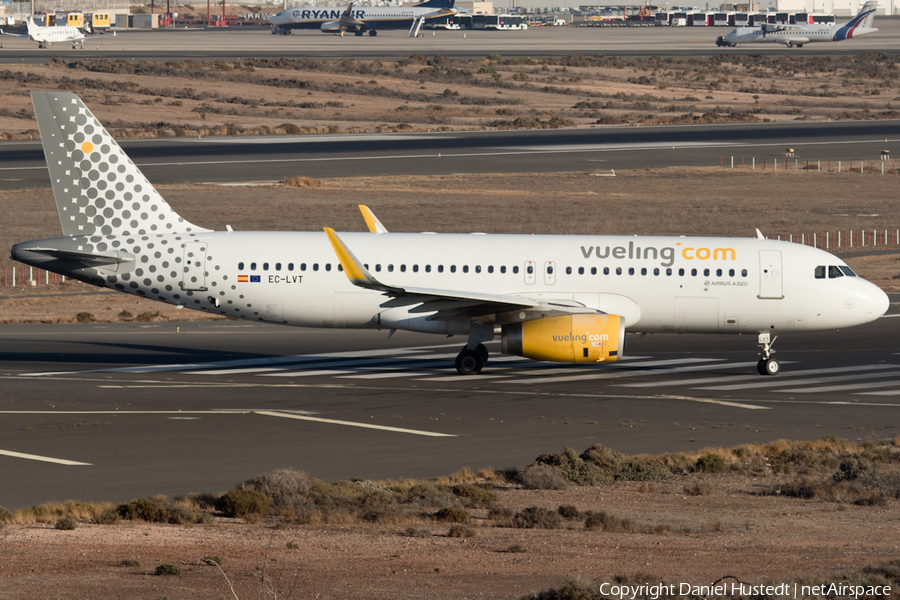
(87,147)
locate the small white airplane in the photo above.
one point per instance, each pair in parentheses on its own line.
(563,298)
(359,20)
(45,36)
(797,35)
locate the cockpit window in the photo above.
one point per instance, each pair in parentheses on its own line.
(847,271)
(834,272)
(820,272)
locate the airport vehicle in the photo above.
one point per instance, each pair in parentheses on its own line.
(362,19)
(97,22)
(564,298)
(45,36)
(798,35)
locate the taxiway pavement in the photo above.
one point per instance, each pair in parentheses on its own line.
(241,159)
(114,412)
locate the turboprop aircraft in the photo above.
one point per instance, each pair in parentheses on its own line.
(797,35)
(564,298)
(359,20)
(45,36)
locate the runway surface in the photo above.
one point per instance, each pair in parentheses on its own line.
(235,43)
(241,159)
(114,412)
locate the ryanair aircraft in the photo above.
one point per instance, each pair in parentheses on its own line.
(558,298)
(797,35)
(361,19)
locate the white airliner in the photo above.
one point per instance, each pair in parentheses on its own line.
(359,20)
(564,298)
(45,36)
(797,35)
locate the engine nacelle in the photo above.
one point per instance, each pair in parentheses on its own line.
(331,27)
(569,338)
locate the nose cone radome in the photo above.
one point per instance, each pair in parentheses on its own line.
(878,304)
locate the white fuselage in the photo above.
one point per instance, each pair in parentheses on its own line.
(658,284)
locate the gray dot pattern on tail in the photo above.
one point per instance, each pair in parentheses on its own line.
(104,191)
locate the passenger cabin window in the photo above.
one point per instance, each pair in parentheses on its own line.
(390,268)
(593,270)
(453,268)
(415,268)
(290,266)
(515,270)
(277,266)
(315,266)
(403,268)
(440,268)
(465,268)
(530,270)
(428,268)
(240,266)
(302,266)
(327,266)
(503,269)
(252,266)
(265,266)
(490,269)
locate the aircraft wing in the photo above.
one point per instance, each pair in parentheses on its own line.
(450,301)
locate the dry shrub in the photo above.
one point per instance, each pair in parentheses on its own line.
(698,489)
(607,523)
(472,496)
(240,503)
(302,182)
(537,517)
(569,512)
(452,514)
(542,477)
(160,509)
(460,531)
(50,512)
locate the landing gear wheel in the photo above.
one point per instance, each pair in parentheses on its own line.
(482,352)
(768,367)
(359,34)
(373,33)
(469,362)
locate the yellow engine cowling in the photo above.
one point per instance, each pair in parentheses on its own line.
(570,338)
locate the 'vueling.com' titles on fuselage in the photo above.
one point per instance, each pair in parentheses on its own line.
(667,254)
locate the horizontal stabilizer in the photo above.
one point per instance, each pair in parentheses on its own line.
(87,258)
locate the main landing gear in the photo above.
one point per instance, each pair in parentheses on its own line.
(474,355)
(767,365)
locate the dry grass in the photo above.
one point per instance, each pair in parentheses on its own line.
(302,182)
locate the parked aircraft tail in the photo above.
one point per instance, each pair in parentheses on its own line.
(98,190)
(436,4)
(860,24)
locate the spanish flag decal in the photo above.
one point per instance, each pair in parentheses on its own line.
(242,279)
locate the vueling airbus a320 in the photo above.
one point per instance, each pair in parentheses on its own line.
(558,298)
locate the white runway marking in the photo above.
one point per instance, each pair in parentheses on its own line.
(759,382)
(284,415)
(881,393)
(839,388)
(774,382)
(754,377)
(248,362)
(58,461)
(615,372)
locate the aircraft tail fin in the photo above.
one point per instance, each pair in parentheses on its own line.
(98,190)
(868,15)
(436,4)
(858,25)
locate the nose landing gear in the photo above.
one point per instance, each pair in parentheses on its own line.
(767,365)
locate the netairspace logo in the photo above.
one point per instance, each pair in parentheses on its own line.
(793,591)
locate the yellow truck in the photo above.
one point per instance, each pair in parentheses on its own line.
(97,22)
